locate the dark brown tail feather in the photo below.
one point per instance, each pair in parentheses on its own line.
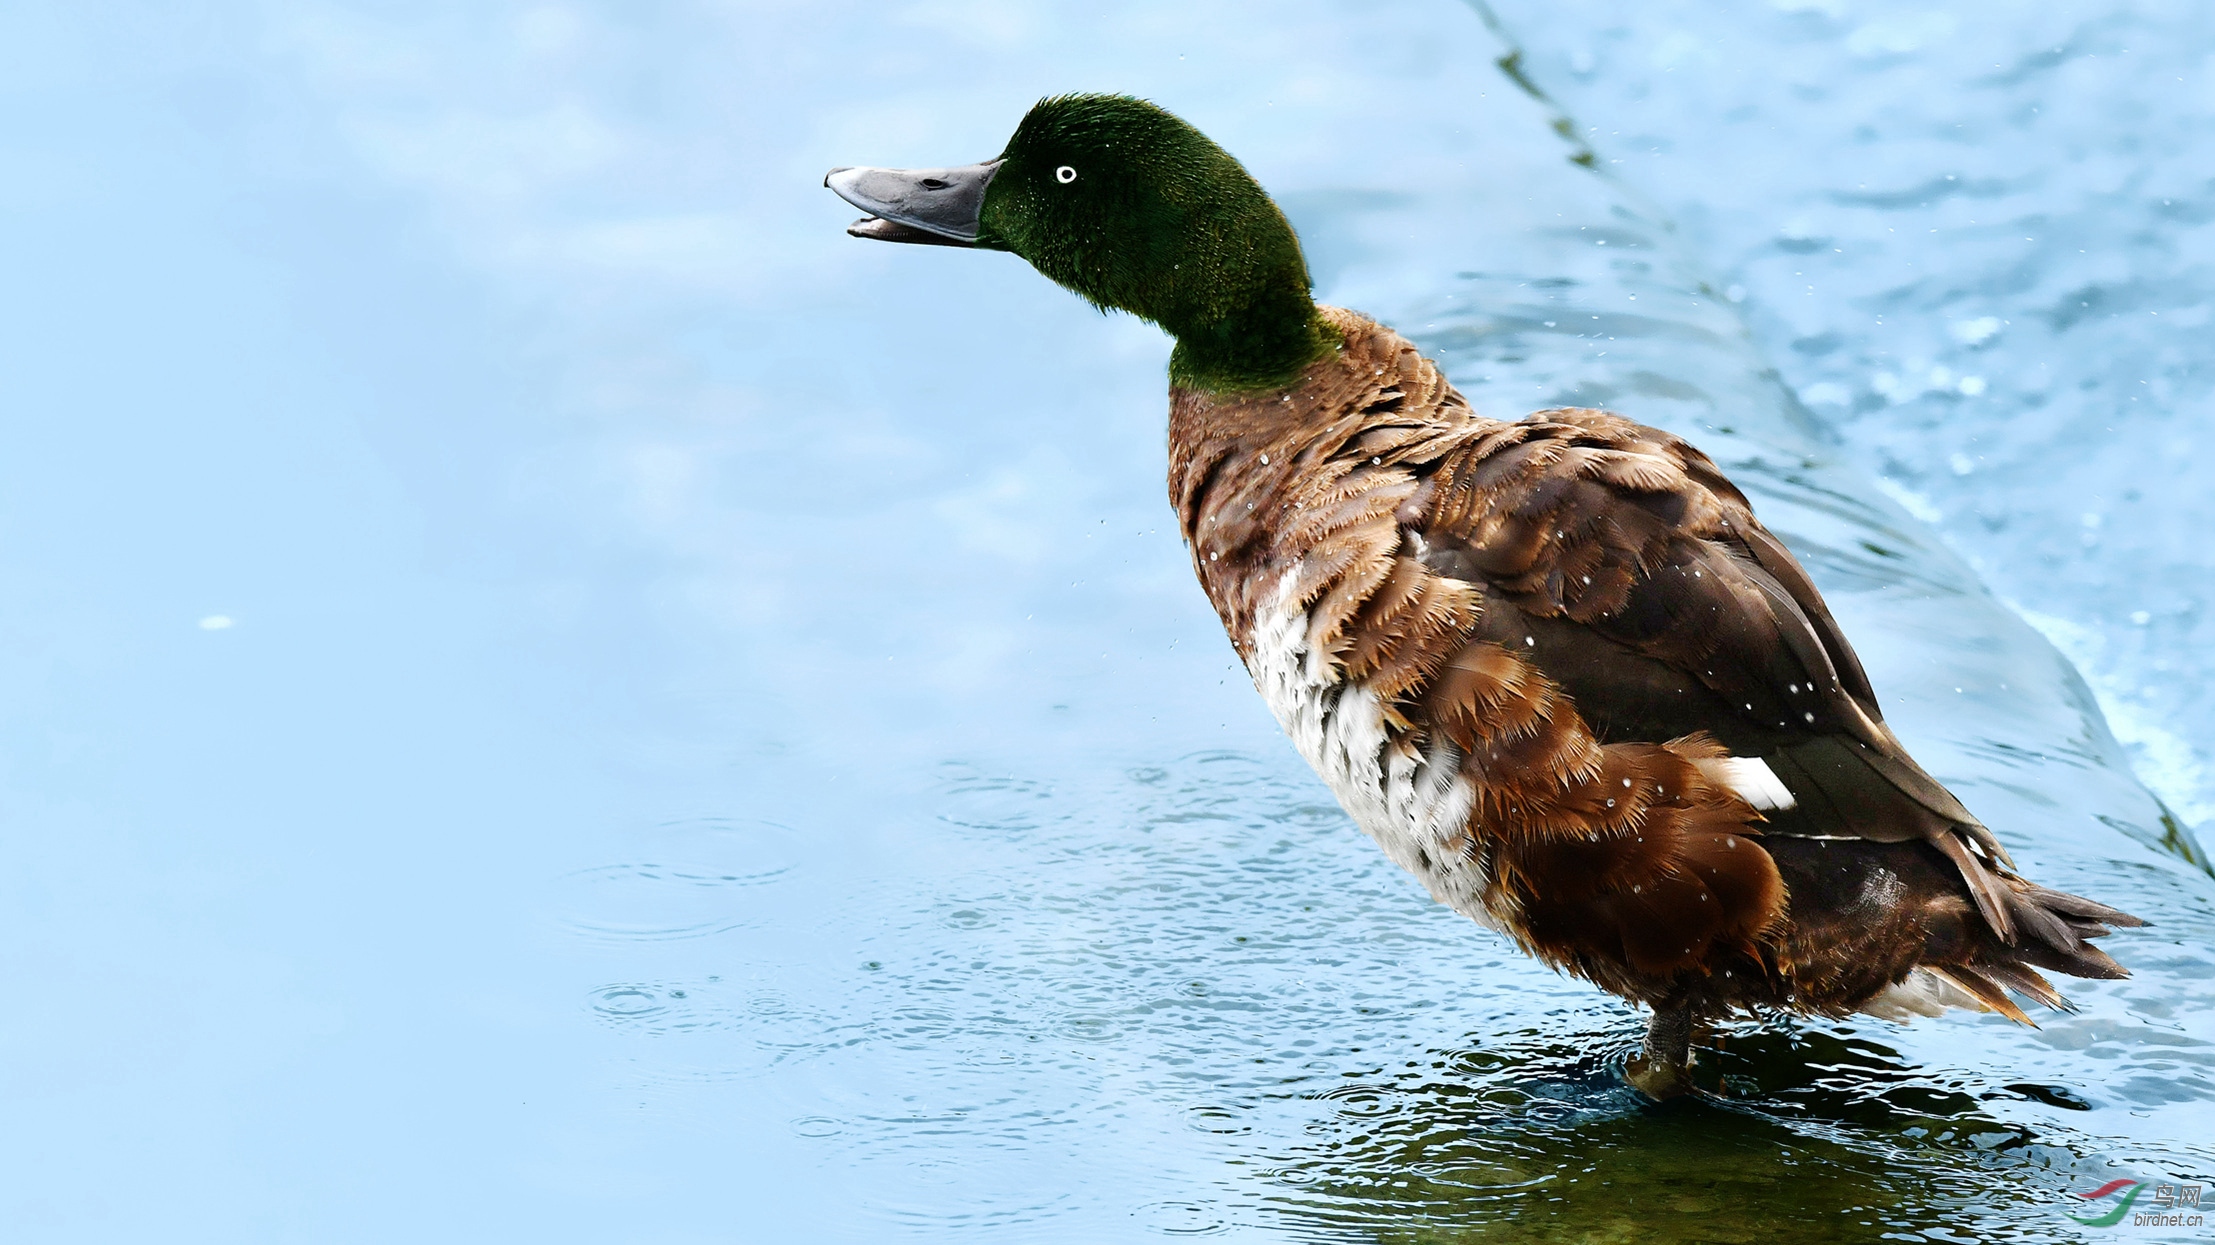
(2063,926)
(2054,930)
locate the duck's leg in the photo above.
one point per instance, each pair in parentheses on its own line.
(1662,1069)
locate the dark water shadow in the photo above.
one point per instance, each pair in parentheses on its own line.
(1801,1134)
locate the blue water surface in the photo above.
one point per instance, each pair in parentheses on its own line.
(551,694)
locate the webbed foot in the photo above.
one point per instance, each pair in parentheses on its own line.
(1658,1079)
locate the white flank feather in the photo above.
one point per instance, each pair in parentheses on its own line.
(1415,804)
(1752,779)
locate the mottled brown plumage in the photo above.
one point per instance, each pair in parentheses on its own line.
(1562,629)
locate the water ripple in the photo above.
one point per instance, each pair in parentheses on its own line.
(694,885)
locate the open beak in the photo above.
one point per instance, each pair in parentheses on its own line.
(941,207)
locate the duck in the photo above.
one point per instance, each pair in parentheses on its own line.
(1554,666)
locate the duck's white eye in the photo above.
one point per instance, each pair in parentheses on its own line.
(1065,175)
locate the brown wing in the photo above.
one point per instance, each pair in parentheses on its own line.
(1658,596)
(1620,562)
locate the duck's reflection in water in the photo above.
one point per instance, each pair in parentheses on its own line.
(1804,1135)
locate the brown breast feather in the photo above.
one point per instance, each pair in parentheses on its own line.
(1585,608)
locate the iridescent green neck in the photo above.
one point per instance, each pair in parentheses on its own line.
(1265,348)
(1236,296)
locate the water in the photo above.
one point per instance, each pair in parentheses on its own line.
(717,739)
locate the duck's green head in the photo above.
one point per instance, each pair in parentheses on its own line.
(1130,207)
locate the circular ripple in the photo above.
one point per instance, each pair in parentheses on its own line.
(1357,1101)
(1089,1028)
(690,880)
(1183,1218)
(1217,1120)
(629,1003)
